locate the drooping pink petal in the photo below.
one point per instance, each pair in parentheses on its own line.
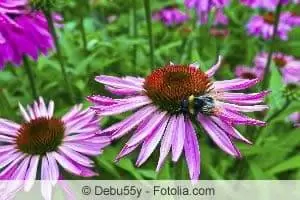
(130,104)
(191,150)
(118,82)
(234,84)
(149,128)
(230,130)
(179,138)
(45,183)
(76,157)
(53,169)
(234,107)
(151,142)
(233,117)
(31,173)
(214,68)
(244,99)
(133,121)
(167,141)
(65,163)
(218,136)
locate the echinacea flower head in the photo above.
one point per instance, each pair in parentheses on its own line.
(263,26)
(43,144)
(22,33)
(171,16)
(288,66)
(249,72)
(165,106)
(219,27)
(295,119)
(266,4)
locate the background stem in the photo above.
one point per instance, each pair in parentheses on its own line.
(30,75)
(149,27)
(49,18)
(266,78)
(134,34)
(83,33)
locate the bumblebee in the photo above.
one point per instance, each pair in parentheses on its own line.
(200,104)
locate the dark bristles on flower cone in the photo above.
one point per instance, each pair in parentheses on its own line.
(171,84)
(40,136)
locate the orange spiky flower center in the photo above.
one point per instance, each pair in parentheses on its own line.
(40,136)
(171,84)
(280,61)
(249,75)
(269,18)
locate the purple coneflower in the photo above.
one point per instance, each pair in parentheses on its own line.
(168,101)
(266,4)
(289,67)
(22,33)
(40,146)
(263,26)
(295,118)
(219,27)
(245,72)
(171,16)
(293,19)
(203,7)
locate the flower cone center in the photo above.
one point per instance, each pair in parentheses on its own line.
(40,136)
(280,62)
(169,85)
(269,18)
(249,75)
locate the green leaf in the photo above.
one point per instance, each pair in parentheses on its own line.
(292,163)
(108,166)
(276,100)
(165,171)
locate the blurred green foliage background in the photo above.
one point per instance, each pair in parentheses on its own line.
(99,37)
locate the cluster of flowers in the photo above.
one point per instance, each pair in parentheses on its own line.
(167,104)
(259,25)
(23,32)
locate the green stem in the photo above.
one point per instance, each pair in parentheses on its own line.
(50,22)
(5,105)
(149,27)
(266,79)
(275,114)
(179,169)
(83,33)
(30,75)
(134,34)
(269,119)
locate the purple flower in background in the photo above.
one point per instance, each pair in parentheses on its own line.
(22,33)
(293,18)
(203,7)
(165,104)
(206,5)
(43,144)
(266,4)
(219,27)
(220,18)
(289,67)
(295,118)
(171,16)
(249,72)
(263,26)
